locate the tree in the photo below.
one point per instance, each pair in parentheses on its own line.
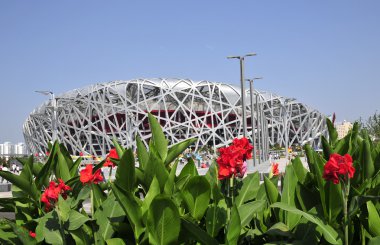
(373,126)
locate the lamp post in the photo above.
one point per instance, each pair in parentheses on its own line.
(253,120)
(54,114)
(241,59)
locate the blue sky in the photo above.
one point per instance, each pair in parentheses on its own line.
(324,53)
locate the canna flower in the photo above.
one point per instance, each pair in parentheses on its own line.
(51,194)
(111,154)
(32,234)
(86,175)
(231,160)
(275,171)
(338,166)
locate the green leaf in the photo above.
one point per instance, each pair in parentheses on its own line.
(299,169)
(272,192)
(194,231)
(196,195)
(170,184)
(248,210)
(98,196)
(115,241)
(333,135)
(334,201)
(329,233)
(43,176)
(234,227)
(155,167)
(22,234)
(48,229)
(76,220)
(373,219)
(158,138)
(177,149)
(289,196)
(216,217)
(131,208)
(125,173)
(249,190)
(189,169)
(279,229)
(142,153)
(106,215)
(366,160)
(75,167)
(358,201)
(163,221)
(326,148)
(374,241)
(62,168)
(20,182)
(154,191)
(119,148)
(81,237)
(63,208)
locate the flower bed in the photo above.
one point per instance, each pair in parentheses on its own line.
(335,202)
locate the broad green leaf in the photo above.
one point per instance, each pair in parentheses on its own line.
(63,151)
(142,153)
(164,222)
(272,192)
(155,167)
(115,241)
(333,135)
(366,160)
(234,227)
(279,229)
(248,210)
(334,201)
(170,183)
(62,167)
(196,195)
(177,149)
(20,182)
(299,169)
(21,233)
(76,220)
(109,212)
(74,169)
(326,148)
(374,241)
(154,191)
(43,177)
(48,228)
(194,231)
(216,217)
(358,201)
(373,219)
(98,196)
(131,208)
(158,138)
(125,173)
(189,169)
(250,187)
(329,233)
(81,237)
(289,196)
(119,148)
(212,177)
(63,209)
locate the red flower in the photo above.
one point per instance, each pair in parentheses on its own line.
(32,234)
(338,166)
(231,160)
(47,153)
(86,175)
(275,170)
(111,154)
(81,154)
(51,194)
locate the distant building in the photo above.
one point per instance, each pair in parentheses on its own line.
(20,149)
(8,149)
(343,129)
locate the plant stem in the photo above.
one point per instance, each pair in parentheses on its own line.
(345,193)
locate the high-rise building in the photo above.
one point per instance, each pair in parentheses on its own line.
(343,129)
(20,149)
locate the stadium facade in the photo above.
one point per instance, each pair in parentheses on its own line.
(89,118)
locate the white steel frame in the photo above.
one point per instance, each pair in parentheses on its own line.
(88,118)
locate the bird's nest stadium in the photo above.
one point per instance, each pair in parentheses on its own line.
(87,119)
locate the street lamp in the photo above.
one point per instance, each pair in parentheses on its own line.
(54,114)
(241,59)
(253,120)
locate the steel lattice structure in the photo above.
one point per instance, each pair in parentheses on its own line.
(88,118)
